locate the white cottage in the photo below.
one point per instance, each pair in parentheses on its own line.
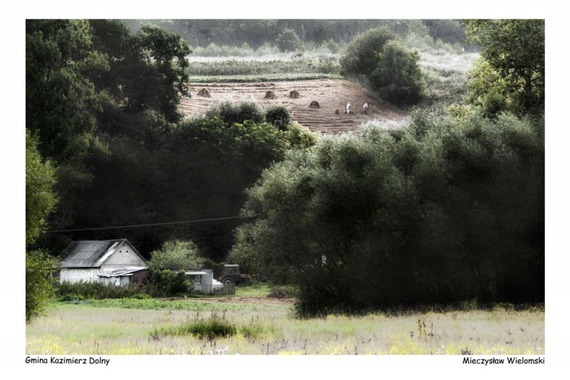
(111,262)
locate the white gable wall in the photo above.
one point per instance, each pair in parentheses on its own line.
(124,256)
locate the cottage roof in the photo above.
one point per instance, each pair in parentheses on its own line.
(91,253)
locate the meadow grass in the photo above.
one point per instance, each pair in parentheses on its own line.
(445,74)
(132,328)
(254,290)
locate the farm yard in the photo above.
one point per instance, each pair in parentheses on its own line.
(266,326)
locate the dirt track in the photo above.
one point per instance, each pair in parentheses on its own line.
(331,95)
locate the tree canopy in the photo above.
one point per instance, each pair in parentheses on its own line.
(389,68)
(409,217)
(40,195)
(40,201)
(176,255)
(513,68)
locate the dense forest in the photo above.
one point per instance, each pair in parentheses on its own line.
(447,209)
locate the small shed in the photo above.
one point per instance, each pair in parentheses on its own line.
(203,281)
(112,262)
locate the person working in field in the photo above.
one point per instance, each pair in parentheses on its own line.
(348,105)
(365,107)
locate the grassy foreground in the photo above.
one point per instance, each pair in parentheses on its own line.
(267,327)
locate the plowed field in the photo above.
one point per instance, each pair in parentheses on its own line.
(331,95)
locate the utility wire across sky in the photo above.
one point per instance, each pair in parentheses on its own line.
(148,224)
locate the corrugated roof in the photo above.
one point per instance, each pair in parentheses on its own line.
(88,253)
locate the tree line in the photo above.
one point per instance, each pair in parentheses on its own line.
(255,33)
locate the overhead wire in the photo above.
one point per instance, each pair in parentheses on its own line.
(147,224)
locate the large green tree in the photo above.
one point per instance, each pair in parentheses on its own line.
(61,99)
(362,54)
(513,52)
(40,201)
(168,53)
(390,69)
(99,96)
(40,195)
(176,255)
(397,77)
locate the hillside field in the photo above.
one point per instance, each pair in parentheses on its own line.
(330,94)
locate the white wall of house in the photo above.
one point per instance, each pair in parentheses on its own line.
(79,275)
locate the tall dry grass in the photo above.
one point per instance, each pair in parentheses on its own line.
(271,329)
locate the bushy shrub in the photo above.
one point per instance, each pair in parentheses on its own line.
(230,113)
(80,291)
(166,282)
(328,65)
(176,255)
(289,41)
(299,137)
(491,99)
(361,56)
(389,68)
(214,328)
(397,77)
(40,268)
(279,116)
(210,329)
